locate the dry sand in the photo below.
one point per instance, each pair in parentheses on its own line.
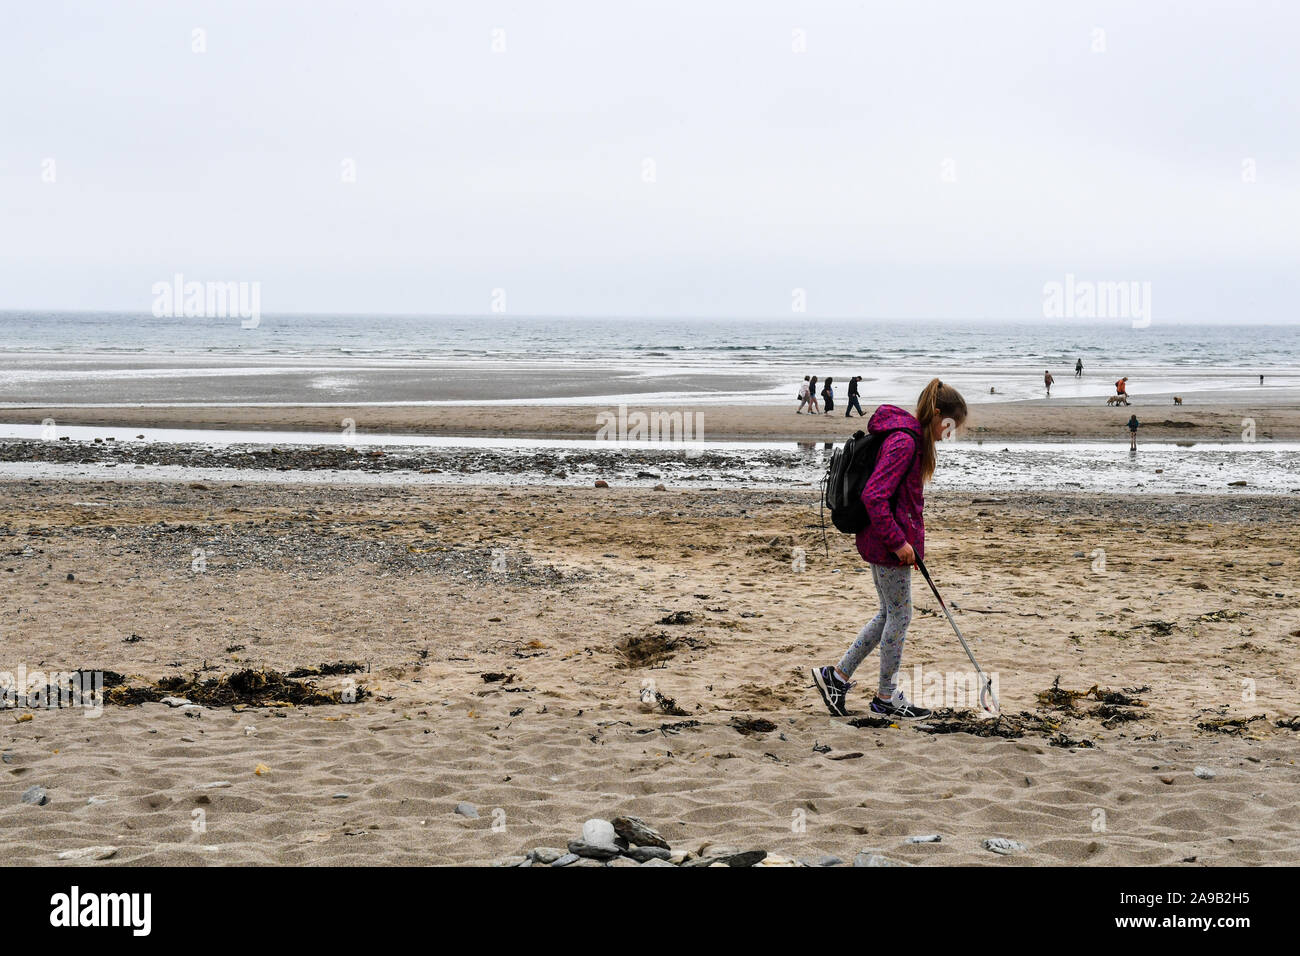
(403,579)
(1032,421)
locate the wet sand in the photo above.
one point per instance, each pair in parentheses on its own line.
(1275,418)
(440,590)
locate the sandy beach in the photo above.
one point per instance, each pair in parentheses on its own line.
(506,636)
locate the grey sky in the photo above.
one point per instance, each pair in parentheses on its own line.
(774,170)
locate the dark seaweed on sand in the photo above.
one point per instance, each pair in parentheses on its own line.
(1063,699)
(1228,725)
(328,670)
(752,725)
(249,686)
(1287,723)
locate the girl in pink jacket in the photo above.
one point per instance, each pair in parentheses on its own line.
(893,541)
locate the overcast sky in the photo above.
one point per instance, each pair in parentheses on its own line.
(919,159)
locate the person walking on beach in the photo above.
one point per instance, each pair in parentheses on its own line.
(1121,389)
(1133,425)
(803,396)
(828,393)
(892,543)
(853,397)
(1047,381)
(812,395)
(1078,368)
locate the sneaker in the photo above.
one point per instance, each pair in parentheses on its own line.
(898,707)
(833,690)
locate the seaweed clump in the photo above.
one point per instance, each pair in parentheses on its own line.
(247,687)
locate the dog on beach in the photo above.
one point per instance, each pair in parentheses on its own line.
(1117,400)
(1178,400)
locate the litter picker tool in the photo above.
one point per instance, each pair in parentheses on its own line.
(986,688)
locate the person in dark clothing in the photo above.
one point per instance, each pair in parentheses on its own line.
(1078,369)
(828,394)
(1133,425)
(853,397)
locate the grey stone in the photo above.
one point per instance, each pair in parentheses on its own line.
(622,861)
(567,859)
(89,853)
(1003,846)
(511,861)
(178,702)
(467,810)
(636,831)
(643,853)
(745,858)
(594,851)
(36,795)
(869,858)
(1205,773)
(544,854)
(828,860)
(719,849)
(340,796)
(588,862)
(598,832)
(925,838)
(654,861)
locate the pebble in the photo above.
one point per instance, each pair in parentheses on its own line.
(511,861)
(637,832)
(927,838)
(746,858)
(566,860)
(598,832)
(601,483)
(643,853)
(718,849)
(657,862)
(594,851)
(99,801)
(178,702)
(467,810)
(1003,846)
(36,795)
(545,854)
(868,858)
(89,853)
(1205,773)
(7,757)
(622,861)
(827,860)
(339,796)
(215,785)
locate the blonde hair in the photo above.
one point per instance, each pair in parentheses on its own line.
(937,402)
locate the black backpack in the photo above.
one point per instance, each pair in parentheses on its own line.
(846,476)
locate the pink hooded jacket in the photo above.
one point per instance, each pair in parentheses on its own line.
(897,476)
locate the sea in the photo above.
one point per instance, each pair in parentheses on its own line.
(136,358)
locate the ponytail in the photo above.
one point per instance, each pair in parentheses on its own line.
(938,402)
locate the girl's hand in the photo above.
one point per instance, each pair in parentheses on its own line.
(906,556)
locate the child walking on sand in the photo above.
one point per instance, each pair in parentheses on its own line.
(892,542)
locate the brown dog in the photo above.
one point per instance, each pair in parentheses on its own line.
(1117,400)
(1177,400)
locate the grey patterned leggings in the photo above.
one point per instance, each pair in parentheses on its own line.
(888,628)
